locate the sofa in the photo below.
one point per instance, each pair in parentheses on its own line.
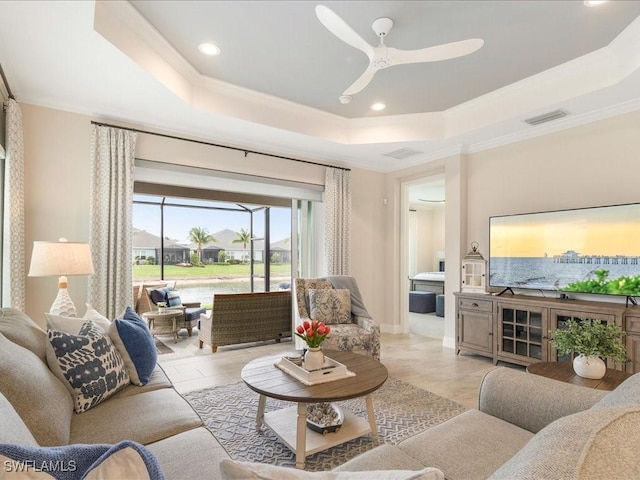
(246,317)
(37,410)
(525,427)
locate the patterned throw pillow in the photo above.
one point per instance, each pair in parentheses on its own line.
(88,364)
(330,305)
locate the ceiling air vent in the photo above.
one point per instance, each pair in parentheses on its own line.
(546,117)
(402,153)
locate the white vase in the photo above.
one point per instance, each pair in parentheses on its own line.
(313,358)
(589,366)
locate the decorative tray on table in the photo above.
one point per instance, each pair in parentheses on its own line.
(330,371)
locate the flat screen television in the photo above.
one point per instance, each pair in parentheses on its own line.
(587,250)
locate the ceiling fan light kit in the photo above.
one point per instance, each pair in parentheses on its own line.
(382,56)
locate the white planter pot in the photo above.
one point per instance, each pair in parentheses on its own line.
(313,358)
(589,367)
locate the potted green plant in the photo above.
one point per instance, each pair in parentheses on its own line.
(592,341)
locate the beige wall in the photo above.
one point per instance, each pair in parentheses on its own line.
(57,173)
(595,164)
(430,238)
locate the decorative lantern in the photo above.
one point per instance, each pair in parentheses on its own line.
(474,271)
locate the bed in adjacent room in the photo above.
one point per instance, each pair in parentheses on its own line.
(428,282)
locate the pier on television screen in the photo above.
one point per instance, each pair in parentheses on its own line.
(586,250)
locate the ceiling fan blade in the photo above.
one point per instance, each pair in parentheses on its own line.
(340,29)
(437,53)
(362,81)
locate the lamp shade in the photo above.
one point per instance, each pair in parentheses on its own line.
(60,258)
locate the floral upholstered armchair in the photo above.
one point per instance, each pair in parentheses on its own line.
(336,301)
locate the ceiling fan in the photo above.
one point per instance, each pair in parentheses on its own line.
(382,57)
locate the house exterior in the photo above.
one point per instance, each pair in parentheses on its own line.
(237,251)
(147,249)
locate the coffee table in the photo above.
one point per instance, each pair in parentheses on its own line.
(290,424)
(164,323)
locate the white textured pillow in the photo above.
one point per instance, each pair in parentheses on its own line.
(330,305)
(233,470)
(72,324)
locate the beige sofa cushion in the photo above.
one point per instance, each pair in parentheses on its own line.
(194,454)
(143,418)
(470,446)
(41,400)
(20,329)
(232,470)
(13,429)
(597,444)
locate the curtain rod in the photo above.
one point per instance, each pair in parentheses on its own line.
(246,152)
(6,83)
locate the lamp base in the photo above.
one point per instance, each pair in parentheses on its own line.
(63,305)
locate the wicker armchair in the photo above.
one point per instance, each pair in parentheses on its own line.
(246,317)
(145,303)
(352,332)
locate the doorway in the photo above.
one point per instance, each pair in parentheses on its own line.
(424,240)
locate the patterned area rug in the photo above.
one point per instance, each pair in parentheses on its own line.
(402,410)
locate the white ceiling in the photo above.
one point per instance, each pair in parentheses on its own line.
(275,86)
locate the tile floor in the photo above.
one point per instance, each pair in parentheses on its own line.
(417,358)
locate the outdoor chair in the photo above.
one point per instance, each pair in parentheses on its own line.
(150,295)
(337,302)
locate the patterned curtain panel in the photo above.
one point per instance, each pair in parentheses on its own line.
(13,291)
(337,218)
(111,234)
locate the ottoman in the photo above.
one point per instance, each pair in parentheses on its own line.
(422,302)
(440,305)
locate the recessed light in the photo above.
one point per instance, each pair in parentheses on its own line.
(594,3)
(378,106)
(209,49)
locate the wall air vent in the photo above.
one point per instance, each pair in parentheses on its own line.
(402,153)
(546,117)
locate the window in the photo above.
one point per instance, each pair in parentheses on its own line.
(209,247)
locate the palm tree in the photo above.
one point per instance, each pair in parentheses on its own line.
(200,236)
(243,237)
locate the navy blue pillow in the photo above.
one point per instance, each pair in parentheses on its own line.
(159,295)
(134,341)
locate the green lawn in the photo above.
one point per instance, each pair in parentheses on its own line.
(142,272)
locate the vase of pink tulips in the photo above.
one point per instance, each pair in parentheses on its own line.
(313,333)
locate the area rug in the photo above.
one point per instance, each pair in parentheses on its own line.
(402,411)
(161,348)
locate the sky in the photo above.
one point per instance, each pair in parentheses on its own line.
(599,231)
(178,221)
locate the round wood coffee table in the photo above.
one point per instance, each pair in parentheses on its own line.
(290,424)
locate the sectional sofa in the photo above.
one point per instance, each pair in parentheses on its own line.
(526,427)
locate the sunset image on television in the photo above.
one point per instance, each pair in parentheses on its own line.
(591,250)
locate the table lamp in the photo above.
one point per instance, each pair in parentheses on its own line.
(61,258)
